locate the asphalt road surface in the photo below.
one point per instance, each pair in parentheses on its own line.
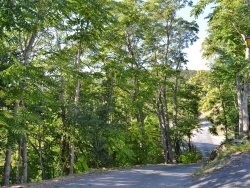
(155,176)
(203,140)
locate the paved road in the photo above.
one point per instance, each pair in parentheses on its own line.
(156,176)
(235,174)
(203,140)
(172,176)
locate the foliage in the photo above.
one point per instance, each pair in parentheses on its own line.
(191,157)
(225,46)
(244,146)
(82,79)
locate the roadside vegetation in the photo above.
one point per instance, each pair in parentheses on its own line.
(224,154)
(103,84)
(191,157)
(93,84)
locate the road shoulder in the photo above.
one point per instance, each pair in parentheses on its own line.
(235,172)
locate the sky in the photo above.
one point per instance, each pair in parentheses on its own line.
(194,52)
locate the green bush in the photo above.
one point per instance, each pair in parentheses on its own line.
(191,157)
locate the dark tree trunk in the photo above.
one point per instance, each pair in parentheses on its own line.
(25,161)
(7,167)
(162,111)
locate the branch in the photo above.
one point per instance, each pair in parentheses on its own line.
(31,41)
(238,31)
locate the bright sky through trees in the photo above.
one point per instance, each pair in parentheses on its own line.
(194,52)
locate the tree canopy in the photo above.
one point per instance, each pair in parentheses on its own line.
(91,84)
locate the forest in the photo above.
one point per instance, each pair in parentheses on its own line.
(103,83)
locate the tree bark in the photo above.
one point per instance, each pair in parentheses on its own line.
(245,116)
(77,92)
(224,111)
(245,100)
(239,98)
(167,127)
(175,121)
(7,167)
(41,152)
(25,161)
(162,111)
(26,45)
(19,162)
(65,155)
(8,154)
(64,139)
(72,157)
(243,92)
(242,96)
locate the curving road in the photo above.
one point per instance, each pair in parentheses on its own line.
(173,176)
(203,140)
(155,176)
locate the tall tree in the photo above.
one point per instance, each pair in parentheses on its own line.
(169,36)
(230,40)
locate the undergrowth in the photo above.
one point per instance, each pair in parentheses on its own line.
(191,157)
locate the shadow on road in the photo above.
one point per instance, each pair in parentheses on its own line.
(205,148)
(229,176)
(172,176)
(150,176)
(203,139)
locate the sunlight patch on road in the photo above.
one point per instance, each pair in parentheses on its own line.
(163,173)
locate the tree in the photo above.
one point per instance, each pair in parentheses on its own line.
(230,40)
(218,97)
(24,25)
(168,35)
(92,84)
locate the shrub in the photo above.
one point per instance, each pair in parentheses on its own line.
(191,157)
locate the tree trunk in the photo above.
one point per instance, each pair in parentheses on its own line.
(72,156)
(77,92)
(245,100)
(26,48)
(163,96)
(175,113)
(167,127)
(224,112)
(242,95)
(41,152)
(136,91)
(239,98)
(7,167)
(162,111)
(163,133)
(8,153)
(65,155)
(245,116)
(19,162)
(25,161)
(64,158)
(243,92)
